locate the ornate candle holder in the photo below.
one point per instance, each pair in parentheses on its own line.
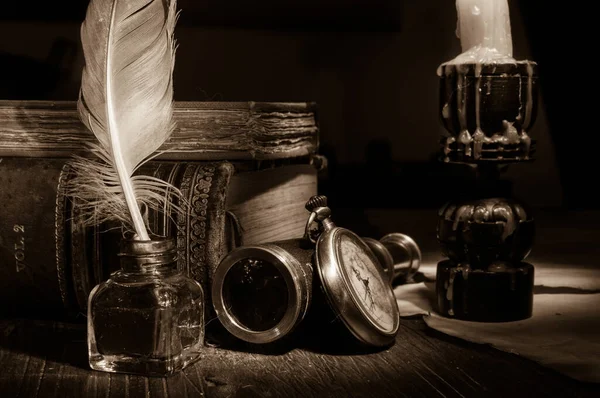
(487,110)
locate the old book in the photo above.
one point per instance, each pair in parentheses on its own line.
(245,184)
(205,130)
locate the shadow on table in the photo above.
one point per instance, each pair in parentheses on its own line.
(52,341)
(303,340)
(541,289)
(319,338)
(419,277)
(342,347)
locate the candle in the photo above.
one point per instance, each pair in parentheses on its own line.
(483,28)
(484,24)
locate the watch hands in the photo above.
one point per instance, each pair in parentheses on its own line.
(357,274)
(373,286)
(369,295)
(365,281)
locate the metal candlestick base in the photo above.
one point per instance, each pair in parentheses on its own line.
(487,111)
(484,278)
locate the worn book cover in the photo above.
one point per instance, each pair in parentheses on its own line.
(244,168)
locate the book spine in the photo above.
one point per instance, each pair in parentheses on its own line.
(49,264)
(32,244)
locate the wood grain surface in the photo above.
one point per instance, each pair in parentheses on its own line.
(46,359)
(49,360)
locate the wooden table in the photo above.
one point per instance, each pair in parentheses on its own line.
(46,359)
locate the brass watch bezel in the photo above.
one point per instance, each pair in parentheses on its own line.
(299,295)
(342,296)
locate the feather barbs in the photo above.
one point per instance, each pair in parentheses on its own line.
(126,100)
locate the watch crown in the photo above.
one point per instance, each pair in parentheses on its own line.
(315,202)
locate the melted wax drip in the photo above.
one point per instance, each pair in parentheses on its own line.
(473,144)
(486,39)
(479,137)
(483,28)
(525,139)
(450,293)
(464,137)
(464,270)
(463,214)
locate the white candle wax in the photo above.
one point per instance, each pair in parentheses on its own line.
(484,30)
(484,23)
(485,36)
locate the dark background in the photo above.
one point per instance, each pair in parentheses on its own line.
(371,67)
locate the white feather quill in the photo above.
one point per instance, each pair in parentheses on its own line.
(126,100)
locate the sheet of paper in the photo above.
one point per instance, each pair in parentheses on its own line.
(563,333)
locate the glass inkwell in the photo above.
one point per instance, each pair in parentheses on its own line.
(329,284)
(148,317)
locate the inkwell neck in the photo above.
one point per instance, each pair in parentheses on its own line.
(148,256)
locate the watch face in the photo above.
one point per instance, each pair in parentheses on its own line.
(356,287)
(368,287)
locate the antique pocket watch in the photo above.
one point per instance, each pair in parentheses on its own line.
(262,293)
